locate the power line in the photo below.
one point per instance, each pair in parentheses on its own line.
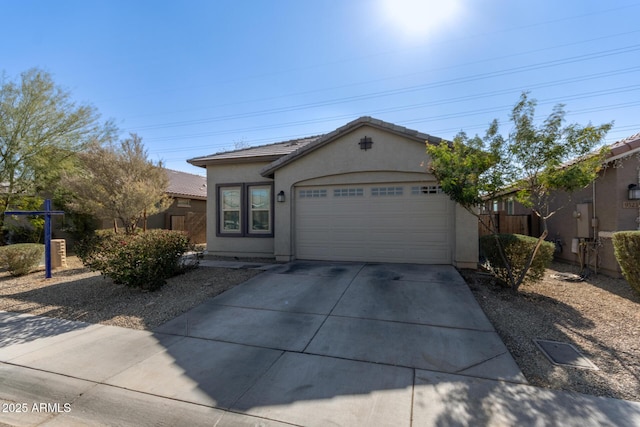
(501,108)
(403,76)
(386,93)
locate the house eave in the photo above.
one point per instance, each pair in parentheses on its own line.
(623,155)
(204,162)
(186,196)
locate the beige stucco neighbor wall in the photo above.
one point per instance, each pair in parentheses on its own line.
(608,204)
(234,246)
(392,158)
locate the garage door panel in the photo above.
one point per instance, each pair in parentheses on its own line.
(373,224)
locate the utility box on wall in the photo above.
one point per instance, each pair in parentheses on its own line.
(583,214)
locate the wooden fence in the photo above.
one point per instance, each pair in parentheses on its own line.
(512,224)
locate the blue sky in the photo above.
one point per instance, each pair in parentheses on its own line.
(197,77)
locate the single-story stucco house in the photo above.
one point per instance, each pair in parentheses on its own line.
(359,193)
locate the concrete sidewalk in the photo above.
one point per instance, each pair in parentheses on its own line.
(305,343)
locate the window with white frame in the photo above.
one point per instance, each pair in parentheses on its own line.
(259,209)
(245,210)
(230,218)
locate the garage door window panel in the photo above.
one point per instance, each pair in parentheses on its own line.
(427,189)
(348,192)
(387,191)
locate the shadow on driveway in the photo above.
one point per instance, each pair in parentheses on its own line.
(314,343)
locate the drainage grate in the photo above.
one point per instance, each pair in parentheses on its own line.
(560,353)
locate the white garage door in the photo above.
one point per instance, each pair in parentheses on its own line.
(410,223)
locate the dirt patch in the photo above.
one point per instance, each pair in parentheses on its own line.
(79,294)
(600,316)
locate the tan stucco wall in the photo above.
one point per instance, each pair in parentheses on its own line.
(466,242)
(627,174)
(610,194)
(392,158)
(234,246)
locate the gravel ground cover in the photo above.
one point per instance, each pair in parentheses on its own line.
(599,316)
(79,294)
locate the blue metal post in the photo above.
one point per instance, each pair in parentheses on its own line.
(47,239)
(47,212)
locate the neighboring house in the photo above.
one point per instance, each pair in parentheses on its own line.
(359,193)
(188,208)
(582,230)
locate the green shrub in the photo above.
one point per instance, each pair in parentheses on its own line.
(21,233)
(21,258)
(517,248)
(626,247)
(143,260)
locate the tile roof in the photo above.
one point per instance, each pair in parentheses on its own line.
(187,184)
(281,153)
(628,145)
(267,152)
(625,147)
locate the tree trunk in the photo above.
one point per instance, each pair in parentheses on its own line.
(545,233)
(493,227)
(527,266)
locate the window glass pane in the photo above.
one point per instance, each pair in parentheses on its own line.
(231,221)
(260,221)
(231,199)
(260,209)
(260,198)
(230,209)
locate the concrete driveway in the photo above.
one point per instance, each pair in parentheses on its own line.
(306,343)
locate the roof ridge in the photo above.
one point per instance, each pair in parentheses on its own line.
(237,150)
(627,139)
(187,173)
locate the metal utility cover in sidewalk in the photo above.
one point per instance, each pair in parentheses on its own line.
(560,353)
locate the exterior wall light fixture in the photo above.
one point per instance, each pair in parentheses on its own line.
(634,192)
(280,197)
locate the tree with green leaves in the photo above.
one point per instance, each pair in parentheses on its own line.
(118,182)
(536,161)
(41,129)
